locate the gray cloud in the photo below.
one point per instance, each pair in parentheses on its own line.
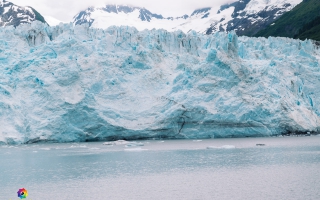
(64,10)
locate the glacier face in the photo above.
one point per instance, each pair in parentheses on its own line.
(65,83)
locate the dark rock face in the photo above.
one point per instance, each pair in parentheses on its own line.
(202,10)
(83,17)
(146,15)
(13,15)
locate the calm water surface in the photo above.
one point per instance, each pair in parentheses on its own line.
(286,168)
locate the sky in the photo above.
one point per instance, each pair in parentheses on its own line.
(65,10)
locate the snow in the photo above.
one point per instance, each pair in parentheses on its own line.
(52,21)
(196,22)
(73,84)
(254,6)
(6,9)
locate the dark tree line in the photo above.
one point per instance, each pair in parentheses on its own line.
(308,26)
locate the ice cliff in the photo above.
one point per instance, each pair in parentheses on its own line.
(65,83)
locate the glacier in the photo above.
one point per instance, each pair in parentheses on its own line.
(74,83)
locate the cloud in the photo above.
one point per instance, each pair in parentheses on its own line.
(65,10)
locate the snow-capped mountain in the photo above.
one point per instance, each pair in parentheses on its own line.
(11,14)
(251,16)
(141,18)
(246,17)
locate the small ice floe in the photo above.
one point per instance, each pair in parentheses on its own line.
(46,149)
(108,143)
(260,145)
(134,144)
(222,147)
(197,140)
(161,141)
(78,146)
(118,142)
(136,149)
(35,151)
(124,142)
(94,148)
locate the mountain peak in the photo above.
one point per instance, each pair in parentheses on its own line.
(92,14)
(11,14)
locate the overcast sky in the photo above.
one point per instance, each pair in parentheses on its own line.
(64,10)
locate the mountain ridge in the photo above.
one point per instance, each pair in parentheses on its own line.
(246,17)
(11,14)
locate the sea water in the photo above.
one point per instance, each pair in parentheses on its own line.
(248,168)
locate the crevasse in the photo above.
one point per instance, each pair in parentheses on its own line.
(65,84)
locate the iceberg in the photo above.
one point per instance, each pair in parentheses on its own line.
(74,84)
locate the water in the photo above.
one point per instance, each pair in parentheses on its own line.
(286,168)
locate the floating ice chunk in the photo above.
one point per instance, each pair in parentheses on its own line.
(120,142)
(197,140)
(46,149)
(78,146)
(94,148)
(108,143)
(35,151)
(136,149)
(134,144)
(222,147)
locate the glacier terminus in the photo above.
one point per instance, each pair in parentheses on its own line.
(74,83)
